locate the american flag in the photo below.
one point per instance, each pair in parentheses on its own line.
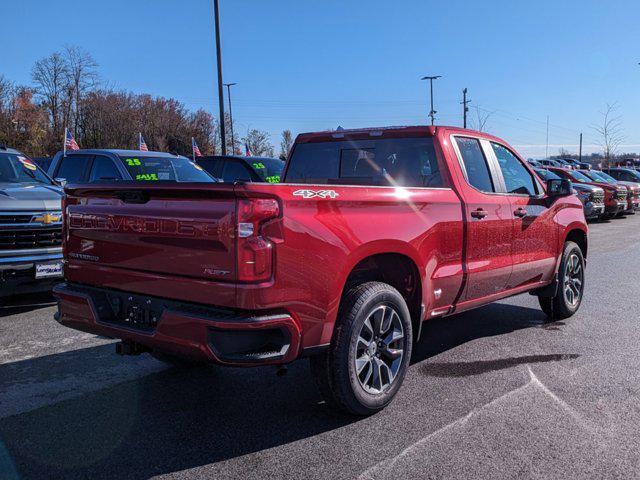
(70,142)
(194,147)
(143,144)
(247,150)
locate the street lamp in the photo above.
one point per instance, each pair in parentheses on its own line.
(432,113)
(233,143)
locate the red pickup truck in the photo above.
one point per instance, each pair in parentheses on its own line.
(371,233)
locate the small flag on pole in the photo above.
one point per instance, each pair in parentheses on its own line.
(247,150)
(142,144)
(69,142)
(195,149)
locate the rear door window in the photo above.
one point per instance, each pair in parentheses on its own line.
(104,169)
(475,164)
(73,167)
(234,171)
(211,165)
(267,169)
(406,162)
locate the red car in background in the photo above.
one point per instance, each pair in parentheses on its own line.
(615,196)
(633,199)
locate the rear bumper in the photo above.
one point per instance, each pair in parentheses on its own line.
(17,271)
(189,330)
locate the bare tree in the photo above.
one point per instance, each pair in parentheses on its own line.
(479,123)
(285,144)
(258,143)
(82,77)
(50,76)
(610,132)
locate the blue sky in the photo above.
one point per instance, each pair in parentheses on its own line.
(307,65)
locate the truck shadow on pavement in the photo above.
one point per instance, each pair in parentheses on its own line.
(174,420)
(24,303)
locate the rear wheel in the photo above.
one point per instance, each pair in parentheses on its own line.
(570,285)
(369,355)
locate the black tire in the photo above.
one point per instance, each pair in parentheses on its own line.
(563,305)
(176,361)
(335,370)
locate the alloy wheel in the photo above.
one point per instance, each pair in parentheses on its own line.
(379,349)
(573,280)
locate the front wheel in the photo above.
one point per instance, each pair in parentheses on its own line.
(369,355)
(570,285)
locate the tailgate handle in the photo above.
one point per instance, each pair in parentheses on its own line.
(133,196)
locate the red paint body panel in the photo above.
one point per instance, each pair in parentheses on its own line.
(180,244)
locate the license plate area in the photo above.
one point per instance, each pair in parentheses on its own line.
(132,311)
(48,270)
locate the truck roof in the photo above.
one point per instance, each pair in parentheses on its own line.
(387,132)
(13,151)
(121,152)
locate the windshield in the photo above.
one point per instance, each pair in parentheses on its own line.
(172,169)
(602,177)
(546,174)
(579,176)
(16,168)
(607,177)
(268,169)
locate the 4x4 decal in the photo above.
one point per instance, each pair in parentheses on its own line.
(316,193)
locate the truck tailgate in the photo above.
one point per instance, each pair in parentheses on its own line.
(176,230)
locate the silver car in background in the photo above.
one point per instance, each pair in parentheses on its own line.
(30,226)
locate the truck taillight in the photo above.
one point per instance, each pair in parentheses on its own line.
(255,252)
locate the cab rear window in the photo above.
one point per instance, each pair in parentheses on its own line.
(158,169)
(406,162)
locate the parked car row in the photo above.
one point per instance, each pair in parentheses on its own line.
(605,194)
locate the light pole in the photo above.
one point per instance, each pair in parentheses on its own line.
(465,109)
(233,142)
(223,139)
(432,113)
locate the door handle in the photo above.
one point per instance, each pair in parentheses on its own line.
(520,212)
(480,213)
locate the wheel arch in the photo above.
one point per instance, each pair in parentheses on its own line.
(579,236)
(397,267)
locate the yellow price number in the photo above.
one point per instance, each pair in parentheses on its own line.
(133,162)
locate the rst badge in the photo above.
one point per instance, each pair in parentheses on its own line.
(316,193)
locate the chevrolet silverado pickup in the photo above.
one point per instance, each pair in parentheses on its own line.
(30,226)
(371,233)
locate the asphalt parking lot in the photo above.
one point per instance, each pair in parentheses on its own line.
(491,393)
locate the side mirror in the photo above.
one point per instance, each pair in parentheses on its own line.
(559,187)
(61,181)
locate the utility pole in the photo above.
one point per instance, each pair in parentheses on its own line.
(223,139)
(465,109)
(580,150)
(432,113)
(233,141)
(546,151)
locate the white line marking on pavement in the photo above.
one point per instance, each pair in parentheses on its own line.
(387,465)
